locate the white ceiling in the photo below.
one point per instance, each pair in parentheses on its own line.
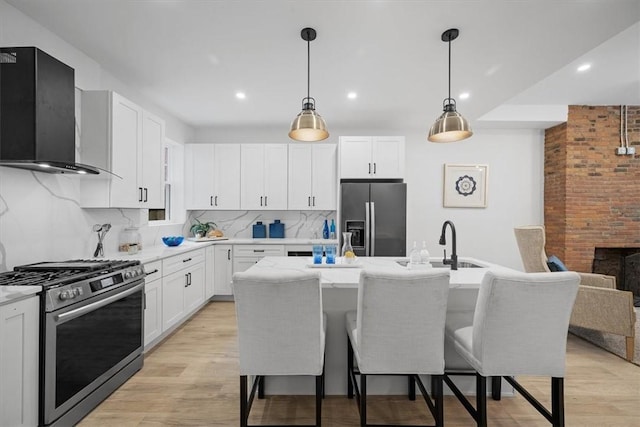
(517,59)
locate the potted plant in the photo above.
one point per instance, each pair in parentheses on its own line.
(200,229)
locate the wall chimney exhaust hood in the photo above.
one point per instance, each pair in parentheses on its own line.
(37,112)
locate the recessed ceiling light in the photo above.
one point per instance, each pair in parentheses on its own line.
(464,95)
(241,95)
(352,95)
(584,67)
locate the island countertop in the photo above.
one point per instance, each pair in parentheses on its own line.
(339,276)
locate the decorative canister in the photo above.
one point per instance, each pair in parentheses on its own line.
(130,240)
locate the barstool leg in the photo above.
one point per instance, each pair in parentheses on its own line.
(363,400)
(319,392)
(243,401)
(412,387)
(557,401)
(481,400)
(437,391)
(261,387)
(496,388)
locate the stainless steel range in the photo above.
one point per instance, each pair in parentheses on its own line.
(91,332)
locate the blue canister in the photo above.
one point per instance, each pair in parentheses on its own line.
(259,230)
(276,230)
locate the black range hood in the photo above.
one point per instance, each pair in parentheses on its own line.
(37,112)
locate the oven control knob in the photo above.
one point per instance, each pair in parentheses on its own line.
(65,295)
(77,292)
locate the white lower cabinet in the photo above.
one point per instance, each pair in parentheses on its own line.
(223,261)
(244,256)
(19,325)
(182,286)
(209,272)
(152,301)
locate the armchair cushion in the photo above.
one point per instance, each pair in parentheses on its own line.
(555,264)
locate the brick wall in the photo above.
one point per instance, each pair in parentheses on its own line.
(591,195)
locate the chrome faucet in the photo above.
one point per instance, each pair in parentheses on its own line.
(453,261)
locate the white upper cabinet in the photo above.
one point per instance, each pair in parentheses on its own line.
(212,176)
(312,176)
(120,137)
(372,157)
(263,176)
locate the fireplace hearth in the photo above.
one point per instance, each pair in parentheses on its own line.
(624,264)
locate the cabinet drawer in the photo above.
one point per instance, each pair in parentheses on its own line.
(184,260)
(258,250)
(153,270)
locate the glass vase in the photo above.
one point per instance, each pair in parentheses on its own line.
(347,250)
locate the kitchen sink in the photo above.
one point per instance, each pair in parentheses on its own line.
(439,264)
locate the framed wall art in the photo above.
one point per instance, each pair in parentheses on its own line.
(465,186)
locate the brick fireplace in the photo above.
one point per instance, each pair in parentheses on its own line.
(591,195)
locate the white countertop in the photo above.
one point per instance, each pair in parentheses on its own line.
(337,277)
(155,253)
(10,294)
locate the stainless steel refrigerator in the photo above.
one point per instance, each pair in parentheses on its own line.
(376,215)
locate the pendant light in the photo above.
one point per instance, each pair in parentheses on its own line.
(308,125)
(450,126)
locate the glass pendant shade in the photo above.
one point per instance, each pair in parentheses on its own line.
(308,126)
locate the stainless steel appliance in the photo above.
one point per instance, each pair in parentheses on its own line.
(376,215)
(91,332)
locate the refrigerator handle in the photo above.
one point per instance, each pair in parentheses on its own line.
(367,229)
(372,226)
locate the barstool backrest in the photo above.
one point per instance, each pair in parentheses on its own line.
(400,323)
(280,322)
(521,321)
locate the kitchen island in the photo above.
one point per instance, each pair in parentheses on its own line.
(340,294)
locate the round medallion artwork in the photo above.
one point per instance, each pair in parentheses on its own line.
(465,185)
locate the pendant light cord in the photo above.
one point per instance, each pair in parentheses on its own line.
(308,69)
(449,68)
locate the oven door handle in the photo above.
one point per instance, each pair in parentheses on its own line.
(98,304)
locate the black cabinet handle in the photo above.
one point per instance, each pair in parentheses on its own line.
(374,168)
(145,194)
(186,260)
(314,200)
(309,201)
(186,280)
(260,200)
(216,201)
(265,200)
(229,254)
(140,195)
(369,168)
(211,201)
(152,272)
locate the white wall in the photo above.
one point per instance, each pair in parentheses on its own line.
(515,188)
(40,218)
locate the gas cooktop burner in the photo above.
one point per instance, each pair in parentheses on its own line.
(52,274)
(77,264)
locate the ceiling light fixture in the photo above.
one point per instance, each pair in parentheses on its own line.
(241,95)
(584,67)
(352,95)
(308,125)
(450,126)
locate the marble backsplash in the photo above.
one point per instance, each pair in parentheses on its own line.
(238,224)
(41,220)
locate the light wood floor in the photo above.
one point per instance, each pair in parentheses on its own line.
(191,379)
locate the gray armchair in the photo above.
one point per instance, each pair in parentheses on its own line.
(599,305)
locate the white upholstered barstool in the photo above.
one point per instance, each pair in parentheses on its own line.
(398,329)
(519,328)
(281,330)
